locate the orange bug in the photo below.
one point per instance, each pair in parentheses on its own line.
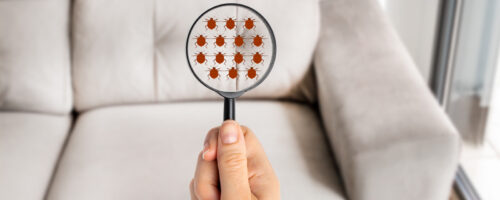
(220,40)
(252,73)
(257,40)
(219,58)
(249,23)
(238,58)
(213,73)
(257,58)
(230,23)
(238,41)
(201,41)
(232,73)
(201,58)
(211,23)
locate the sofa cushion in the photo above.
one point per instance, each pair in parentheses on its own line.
(30,145)
(149,151)
(133,51)
(34,56)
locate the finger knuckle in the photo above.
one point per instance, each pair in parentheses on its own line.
(244,128)
(234,160)
(247,132)
(213,130)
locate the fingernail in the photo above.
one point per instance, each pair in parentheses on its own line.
(205,150)
(203,154)
(229,133)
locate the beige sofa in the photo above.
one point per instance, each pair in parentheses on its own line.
(97,102)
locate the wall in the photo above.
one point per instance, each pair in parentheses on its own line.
(415,21)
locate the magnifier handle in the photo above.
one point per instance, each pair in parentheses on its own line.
(229,111)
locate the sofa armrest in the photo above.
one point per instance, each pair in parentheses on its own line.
(390,137)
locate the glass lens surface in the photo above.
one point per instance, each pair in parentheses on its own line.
(230,48)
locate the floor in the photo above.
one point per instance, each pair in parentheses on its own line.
(482,162)
(482,165)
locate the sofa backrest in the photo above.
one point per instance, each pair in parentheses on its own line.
(35,56)
(133,51)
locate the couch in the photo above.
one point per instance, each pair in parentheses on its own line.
(97,102)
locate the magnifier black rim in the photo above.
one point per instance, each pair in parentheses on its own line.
(271,64)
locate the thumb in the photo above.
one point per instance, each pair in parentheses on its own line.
(232,162)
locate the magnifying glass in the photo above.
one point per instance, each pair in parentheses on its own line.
(230,49)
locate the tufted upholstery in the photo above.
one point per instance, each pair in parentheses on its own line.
(35,56)
(133,51)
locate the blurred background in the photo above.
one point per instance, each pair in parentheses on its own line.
(455,45)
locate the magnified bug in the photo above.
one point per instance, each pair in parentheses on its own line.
(257,58)
(201,41)
(239,41)
(213,73)
(232,73)
(252,73)
(220,41)
(230,24)
(211,23)
(201,58)
(238,58)
(220,58)
(249,23)
(257,41)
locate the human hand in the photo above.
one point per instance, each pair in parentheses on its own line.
(233,165)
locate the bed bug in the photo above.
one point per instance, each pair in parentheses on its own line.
(211,23)
(249,23)
(232,73)
(257,40)
(213,73)
(230,23)
(238,58)
(238,41)
(201,40)
(220,40)
(252,73)
(200,58)
(257,58)
(219,58)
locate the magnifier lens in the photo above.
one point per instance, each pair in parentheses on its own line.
(231,48)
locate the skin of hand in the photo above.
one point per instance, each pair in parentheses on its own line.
(233,165)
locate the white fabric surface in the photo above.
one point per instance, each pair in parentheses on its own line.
(34,56)
(149,151)
(133,51)
(30,145)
